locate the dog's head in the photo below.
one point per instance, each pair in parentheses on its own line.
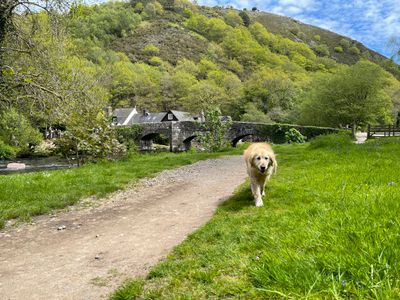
(264,161)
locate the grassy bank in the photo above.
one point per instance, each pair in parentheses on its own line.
(329,230)
(29,194)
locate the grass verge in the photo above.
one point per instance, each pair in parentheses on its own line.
(29,194)
(329,230)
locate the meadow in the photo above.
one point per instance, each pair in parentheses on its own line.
(28,194)
(329,229)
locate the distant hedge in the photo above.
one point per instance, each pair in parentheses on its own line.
(276,132)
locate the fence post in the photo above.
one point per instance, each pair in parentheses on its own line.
(369,131)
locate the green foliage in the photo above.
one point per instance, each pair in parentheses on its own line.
(245,18)
(354,50)
(17,132)
(294,136)
(233,19)
(94,140)
(338,49)
(214,130)
(129,136)
(150,50)
(104,22)
(139,7)
(277,132)
(321,50)
(7,151)
(253,114)
(155,61)
(317,37)
(337,141)
(354,96)
(345,43)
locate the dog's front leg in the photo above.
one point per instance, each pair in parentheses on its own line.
(257,190)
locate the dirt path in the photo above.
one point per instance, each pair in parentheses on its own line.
(86,252)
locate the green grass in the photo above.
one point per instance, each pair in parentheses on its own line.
(329,230)
(29,194)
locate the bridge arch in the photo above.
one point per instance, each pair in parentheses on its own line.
(148,139)
(187,142)
(238,138)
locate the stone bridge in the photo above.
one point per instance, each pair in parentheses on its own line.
(181,134)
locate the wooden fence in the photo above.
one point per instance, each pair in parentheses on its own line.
(383,131)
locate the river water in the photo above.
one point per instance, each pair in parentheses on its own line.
(35,164)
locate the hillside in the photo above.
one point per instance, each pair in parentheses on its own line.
(177,42)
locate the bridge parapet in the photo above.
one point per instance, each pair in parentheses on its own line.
(181,134)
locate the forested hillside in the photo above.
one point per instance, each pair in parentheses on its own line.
(62,67)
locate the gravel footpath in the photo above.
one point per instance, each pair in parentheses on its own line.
(90,249)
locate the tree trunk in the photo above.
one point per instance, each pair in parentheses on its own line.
(353,131)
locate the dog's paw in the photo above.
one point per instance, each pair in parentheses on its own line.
(259,203)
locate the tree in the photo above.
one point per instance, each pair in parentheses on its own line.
(233,19)
(213,138)
(245,17)
(353,96)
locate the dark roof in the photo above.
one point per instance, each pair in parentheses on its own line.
(122,114)
(182,115)
(149,118)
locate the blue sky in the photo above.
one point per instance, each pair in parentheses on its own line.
(371,22)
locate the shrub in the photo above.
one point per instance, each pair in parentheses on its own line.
(155,61)
(90,141)
(45,148)
(214,130)
(15,130)
(301,35)
(321,50)
(344,43)
(338,49)
(335,141)
(294,136)
(354,50)
(317,37)
(276,132)
(6,151)
(129,136)
(150,50)
(245,17)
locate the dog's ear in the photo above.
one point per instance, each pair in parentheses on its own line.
(274,163)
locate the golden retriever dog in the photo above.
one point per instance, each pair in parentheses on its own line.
(261,164)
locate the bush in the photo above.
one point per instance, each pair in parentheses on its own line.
(276,132)
(45,148)
(317,37)
(335,141)
(354,50)
(338,49)
(344,43)
(15,130)
(129,136)
(6,151)
(294,136)
(150,50)
(214,130)
(321,50)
